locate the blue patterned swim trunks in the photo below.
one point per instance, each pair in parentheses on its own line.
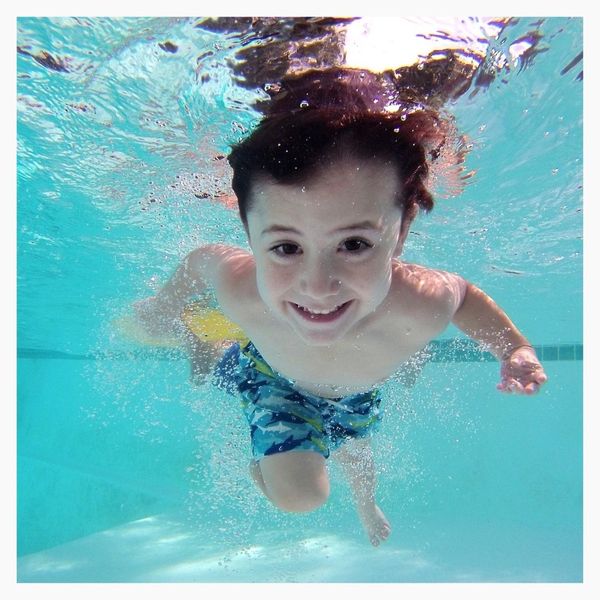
(283,418)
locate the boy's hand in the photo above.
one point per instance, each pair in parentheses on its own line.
(521,372)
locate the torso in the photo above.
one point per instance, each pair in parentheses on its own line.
(419,307)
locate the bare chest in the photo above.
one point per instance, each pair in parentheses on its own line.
(367,355)
(354,365)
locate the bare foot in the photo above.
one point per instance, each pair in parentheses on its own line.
(376,525)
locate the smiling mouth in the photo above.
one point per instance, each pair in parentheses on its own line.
(321,316)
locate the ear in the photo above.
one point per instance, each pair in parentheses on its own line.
(407,218)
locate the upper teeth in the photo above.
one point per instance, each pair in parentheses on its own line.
(318,312)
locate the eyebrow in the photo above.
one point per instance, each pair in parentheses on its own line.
(354,227)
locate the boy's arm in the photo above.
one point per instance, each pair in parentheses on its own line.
(160,314)
(483,320)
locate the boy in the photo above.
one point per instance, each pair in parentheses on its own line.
(327,186)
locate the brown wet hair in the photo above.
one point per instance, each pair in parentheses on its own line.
(318,116)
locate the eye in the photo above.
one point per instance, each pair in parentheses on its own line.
(286,249)
(356,245)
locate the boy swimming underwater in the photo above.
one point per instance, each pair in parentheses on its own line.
(328,185)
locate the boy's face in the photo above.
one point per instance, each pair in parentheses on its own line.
(324,247)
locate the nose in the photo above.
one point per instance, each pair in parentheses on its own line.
(319,279)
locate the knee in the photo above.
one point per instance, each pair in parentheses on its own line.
(305,499)
(296,482)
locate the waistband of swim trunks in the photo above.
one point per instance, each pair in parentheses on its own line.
(251,352)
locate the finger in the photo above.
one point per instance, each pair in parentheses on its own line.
(506,386)
(518,366)
(515,386)
(531,388)
(530,367)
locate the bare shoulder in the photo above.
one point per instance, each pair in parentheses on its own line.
(231,273)
(214,258)
(221,265)
(431,289)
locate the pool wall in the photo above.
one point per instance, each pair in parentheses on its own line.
(454,455)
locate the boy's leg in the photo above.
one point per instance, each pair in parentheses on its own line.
(292,481)
(256,475)
(356,460)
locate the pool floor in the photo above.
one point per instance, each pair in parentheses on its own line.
(163,549)
(478,487)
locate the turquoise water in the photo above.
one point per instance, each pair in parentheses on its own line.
(128,472)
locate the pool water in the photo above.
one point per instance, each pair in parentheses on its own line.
(129,472)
